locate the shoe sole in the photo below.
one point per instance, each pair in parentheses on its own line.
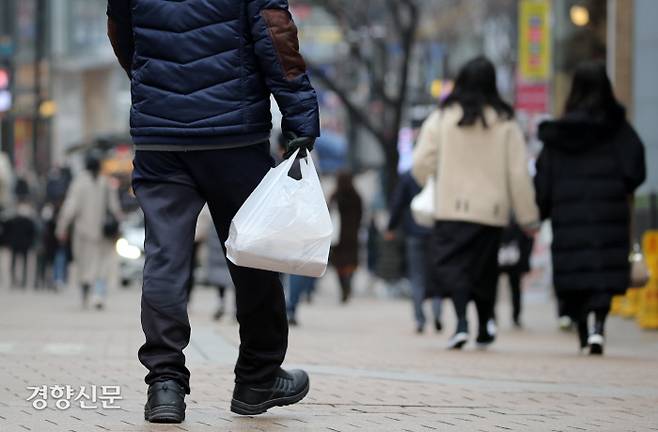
(164,414)
(250,410)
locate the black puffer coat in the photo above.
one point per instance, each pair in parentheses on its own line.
(585,175)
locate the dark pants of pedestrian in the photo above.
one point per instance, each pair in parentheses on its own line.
(298,285)
(418,271)
(16,256)
(465,262)
(172,188)
(580,305)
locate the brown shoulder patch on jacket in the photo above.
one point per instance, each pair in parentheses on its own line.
(283,32)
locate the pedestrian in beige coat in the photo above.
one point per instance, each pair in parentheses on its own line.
(89,201)
(476,152)
(6,178)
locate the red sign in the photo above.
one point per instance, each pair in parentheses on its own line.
(532,98)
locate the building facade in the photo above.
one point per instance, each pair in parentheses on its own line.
(66,87)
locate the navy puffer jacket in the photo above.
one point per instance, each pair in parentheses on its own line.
(202,71)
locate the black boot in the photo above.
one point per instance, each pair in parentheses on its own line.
(166,403)
(287,388)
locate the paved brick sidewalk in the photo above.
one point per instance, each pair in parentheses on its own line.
(370,372)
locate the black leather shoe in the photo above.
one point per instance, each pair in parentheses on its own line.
(289,387)
(166,403)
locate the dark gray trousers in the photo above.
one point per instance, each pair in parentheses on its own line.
(172,188)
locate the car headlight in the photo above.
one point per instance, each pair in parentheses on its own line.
(126,250)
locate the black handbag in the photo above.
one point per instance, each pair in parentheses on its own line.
(110,223)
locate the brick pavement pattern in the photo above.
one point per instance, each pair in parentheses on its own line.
(369,371)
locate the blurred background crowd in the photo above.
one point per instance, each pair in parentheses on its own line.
(380,68)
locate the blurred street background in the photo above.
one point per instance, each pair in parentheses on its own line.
(380,68)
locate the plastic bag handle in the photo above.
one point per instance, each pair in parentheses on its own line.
(308,167)
(287,163)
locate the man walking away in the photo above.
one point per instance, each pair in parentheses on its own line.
(202,73)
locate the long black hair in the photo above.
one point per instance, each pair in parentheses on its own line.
(591,93)
(476,88)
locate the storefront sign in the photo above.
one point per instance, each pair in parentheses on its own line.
(532,98)
(535,40)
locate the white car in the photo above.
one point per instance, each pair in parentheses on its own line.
(130,248)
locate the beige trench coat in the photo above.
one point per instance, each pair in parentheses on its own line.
(85,207)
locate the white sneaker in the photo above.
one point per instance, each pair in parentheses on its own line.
(458,341)
(565,323)
(596,343)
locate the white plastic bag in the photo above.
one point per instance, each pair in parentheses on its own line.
(422,206)
(284,225)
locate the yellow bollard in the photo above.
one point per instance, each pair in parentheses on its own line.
(617,305)
(647,313)
(630,303)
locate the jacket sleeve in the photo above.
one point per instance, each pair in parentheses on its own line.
(120,32)
(521,189)
(277,48)
(543,184)
(426,153)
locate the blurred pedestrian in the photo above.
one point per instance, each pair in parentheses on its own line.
(514,261)
(201,122)
(6,182)
(477,153)
(21,236)
(298,286)
(22,189)
(46,247)
(417,242)
(57,186)
(215,265)
(587,174)
(92,208)
(345,254)
(219,276)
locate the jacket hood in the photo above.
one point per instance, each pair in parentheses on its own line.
(579,131)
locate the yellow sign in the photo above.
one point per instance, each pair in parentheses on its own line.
(535,40)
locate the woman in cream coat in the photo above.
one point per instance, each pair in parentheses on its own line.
(477,153)
(88,201)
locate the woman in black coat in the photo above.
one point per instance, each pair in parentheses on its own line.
(345,255)
(587,173)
